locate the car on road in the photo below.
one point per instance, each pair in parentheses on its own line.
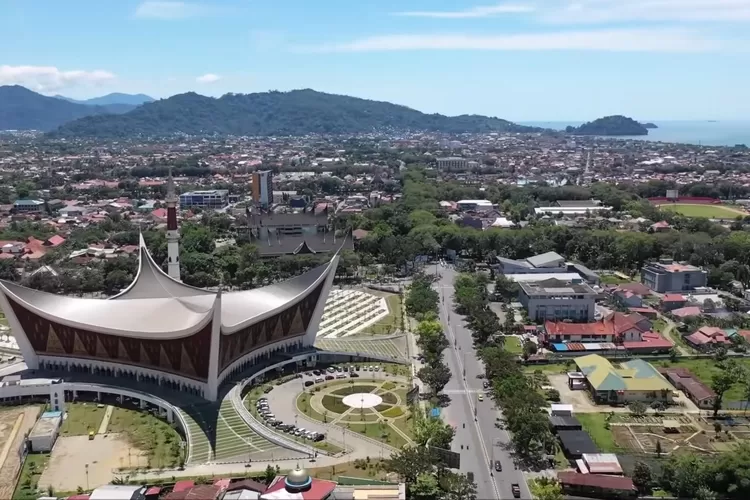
(485,384)
(498,466)
(516,490)
(480,397)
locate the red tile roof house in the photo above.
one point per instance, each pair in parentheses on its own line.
(684,380)
(632,331)
(707,338)
(672,301)
(687,312)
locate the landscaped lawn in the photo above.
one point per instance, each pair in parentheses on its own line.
(593,423)
(28,479)
(513,345)
(390,323)
(705,369)
(150,434)
(709,211)
(82,418)
(381,432)
(334,404)
(659,325)
(612,279)
(346,469)
(551,368)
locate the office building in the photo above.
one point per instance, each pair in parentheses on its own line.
(667,275)
(213,199)
(555,299)
(263,188)
(452,162)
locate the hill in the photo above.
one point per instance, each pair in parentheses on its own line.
(22,109)
(298,112)
(132,100)
(609,125)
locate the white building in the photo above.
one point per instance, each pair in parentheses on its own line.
(474,205)
(44,433)
(452,162)
(554,299)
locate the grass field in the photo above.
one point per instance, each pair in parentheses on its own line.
(28,479)
(708,211)
(612,279)
(150,434)
(82,418)
(593,423)
(513,345)
(392,322)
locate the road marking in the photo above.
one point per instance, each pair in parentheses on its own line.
(471,404)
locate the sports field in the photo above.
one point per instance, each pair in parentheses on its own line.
(708,211)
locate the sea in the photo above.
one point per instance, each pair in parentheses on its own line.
(701,132)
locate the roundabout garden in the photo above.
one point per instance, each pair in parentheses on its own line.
(373,408)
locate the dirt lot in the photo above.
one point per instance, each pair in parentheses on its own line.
(67,471)
(9,444)
(579,399)
(643,438)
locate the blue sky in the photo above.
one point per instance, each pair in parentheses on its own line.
(518,59)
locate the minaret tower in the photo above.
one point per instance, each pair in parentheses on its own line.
(173,234)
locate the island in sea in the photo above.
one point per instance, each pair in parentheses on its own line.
(650,125)
(611,126)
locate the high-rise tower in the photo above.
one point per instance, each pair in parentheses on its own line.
(173,233)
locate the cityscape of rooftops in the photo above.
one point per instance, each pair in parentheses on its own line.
(416,281)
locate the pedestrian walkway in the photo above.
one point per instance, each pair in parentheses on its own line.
(105,420)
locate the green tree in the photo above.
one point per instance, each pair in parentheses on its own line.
(426,487)
(642,477)
(457,486)
(436,375)
(637,408)
(721,383)
(269,474)
(545,488)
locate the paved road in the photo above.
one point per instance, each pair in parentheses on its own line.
(485,441)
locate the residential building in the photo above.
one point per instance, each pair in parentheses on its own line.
(452,162)
(667,275)
(596,485)
(698,392)
(634,380)
(28,206)
(550,264)
(211,199)
(555,299)
(474,205)
(708,338)
(262,189)
(672,301)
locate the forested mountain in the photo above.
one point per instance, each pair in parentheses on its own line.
(22,109)
(298,112)
(610,125)
(114,98)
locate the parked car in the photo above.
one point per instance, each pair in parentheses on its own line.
(329,377)
(319,380)
(308,383)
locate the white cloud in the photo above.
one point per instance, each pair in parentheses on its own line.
(613,40)
(607,11)
(208,78)
(168,10)
(473,12)
(50,78)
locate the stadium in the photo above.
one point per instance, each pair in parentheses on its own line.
(164,332)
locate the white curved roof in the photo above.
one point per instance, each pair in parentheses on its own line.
(157,304)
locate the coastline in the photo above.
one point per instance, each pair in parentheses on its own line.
(696,132)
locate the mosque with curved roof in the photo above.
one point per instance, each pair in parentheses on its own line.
(165,331)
